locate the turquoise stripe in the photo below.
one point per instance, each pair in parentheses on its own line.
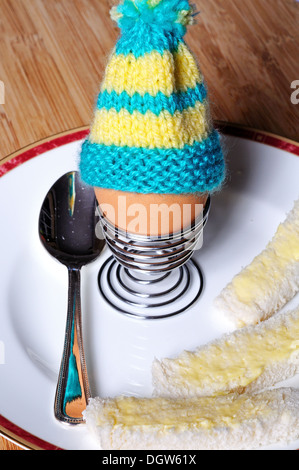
(142,103)
(145,39)
(196,168)
(73,388)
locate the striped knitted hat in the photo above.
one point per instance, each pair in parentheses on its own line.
(152,132)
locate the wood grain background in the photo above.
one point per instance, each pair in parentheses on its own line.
(53,54)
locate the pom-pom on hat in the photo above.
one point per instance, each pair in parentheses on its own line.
(152,131)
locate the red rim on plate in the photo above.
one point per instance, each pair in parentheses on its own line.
(9,430)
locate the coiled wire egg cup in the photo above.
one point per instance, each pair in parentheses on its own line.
(152,277)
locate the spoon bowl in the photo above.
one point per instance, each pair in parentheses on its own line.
(67,229)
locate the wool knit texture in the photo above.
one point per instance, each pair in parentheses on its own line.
(152,131)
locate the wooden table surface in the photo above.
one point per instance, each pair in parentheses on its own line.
(53,54)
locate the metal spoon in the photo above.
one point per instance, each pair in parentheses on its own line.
(67,229)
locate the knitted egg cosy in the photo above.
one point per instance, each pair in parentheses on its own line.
(152,131)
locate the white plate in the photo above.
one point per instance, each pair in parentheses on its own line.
(261,189)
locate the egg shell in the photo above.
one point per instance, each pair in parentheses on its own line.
(150,214)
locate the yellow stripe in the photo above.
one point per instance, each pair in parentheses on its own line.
(149,130)
(187,73)
(152,72)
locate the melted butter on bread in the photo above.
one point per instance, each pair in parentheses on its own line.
(252,357)
(229,422)
(204,412)
(226,363)
(271,280)
(269,265)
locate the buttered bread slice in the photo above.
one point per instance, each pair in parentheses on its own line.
(269,281)
(204,423)
(247,360)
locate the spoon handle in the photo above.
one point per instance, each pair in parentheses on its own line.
(72,391)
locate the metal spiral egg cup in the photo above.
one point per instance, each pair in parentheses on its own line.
(152,277)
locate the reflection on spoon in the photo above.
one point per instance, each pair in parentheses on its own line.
(67,228)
